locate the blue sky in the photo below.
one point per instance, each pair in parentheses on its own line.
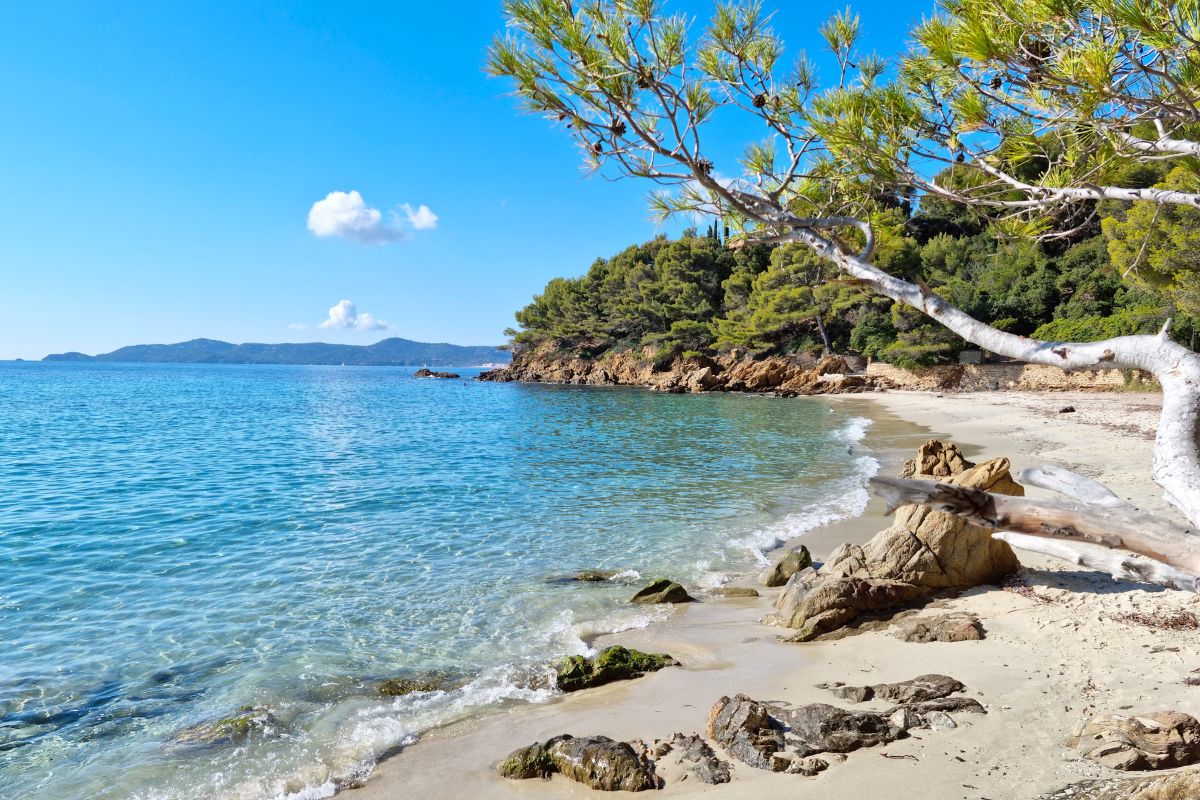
(159,162)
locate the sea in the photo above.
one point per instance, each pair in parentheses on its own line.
(265,545)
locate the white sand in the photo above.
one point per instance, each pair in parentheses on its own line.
(1042,667)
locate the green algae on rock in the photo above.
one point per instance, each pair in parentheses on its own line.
(614,663)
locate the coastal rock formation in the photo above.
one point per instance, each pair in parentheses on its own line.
(1176,786)
(782,570)
(923,552)
(595,761)
(693,757)
(747,732)
(593,575)
(915,690)
(1160,740)
(785,739)
(614,663)
(428,373)
(735,371)
(662,590)
(942,628)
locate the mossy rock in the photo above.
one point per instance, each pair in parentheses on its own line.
(662,590)
(528,762)
(615,663)
(232,728)
(398,687)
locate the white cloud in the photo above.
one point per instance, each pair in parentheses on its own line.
(297,326)
(421,218)
(345,315)
(345,215)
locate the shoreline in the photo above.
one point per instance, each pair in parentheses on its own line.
(1020,672)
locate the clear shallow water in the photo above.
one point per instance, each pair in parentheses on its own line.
(178,542)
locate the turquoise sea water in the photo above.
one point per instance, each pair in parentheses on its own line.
(178,542)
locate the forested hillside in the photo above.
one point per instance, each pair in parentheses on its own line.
(1113,269)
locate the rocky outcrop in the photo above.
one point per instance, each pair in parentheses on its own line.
(785,739)
(693,757)
(1160,740)
(595,761)
(614,663)
(662,590)
(942,628)
(782,570)
(915,690)
(746,730)
(923,552)
(1176,786)
(734,372)
(428,373)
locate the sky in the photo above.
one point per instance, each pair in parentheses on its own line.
(299,171)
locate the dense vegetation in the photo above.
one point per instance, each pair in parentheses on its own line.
(1123,271)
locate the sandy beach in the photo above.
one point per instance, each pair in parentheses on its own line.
(1051,657)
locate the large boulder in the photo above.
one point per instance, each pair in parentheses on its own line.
(914,690)
(614,663)
(1160,740)
(922,552)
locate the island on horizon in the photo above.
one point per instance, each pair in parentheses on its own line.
(392,352)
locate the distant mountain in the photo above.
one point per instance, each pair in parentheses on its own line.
(387,353)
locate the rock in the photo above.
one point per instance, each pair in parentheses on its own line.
(922,552)
(398,687)
(1067,410)
(662,590)
(808,766)
(593,575)
(922,687)
(1176,786)
(530,762)
(782,570)
(944,628)
(614,663)
(428,373)
(233,728)
(595,761)
(697,758)
(601,763)
(822,728)
(945,704)
(1160,740)
(734,591)
(747,732)
(936,459)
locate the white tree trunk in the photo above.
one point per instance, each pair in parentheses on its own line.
(1176,465)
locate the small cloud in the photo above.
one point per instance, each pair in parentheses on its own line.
(345,215)
(421,218)
(345,315)
(297,326)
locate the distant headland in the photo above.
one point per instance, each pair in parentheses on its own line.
(394,352)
